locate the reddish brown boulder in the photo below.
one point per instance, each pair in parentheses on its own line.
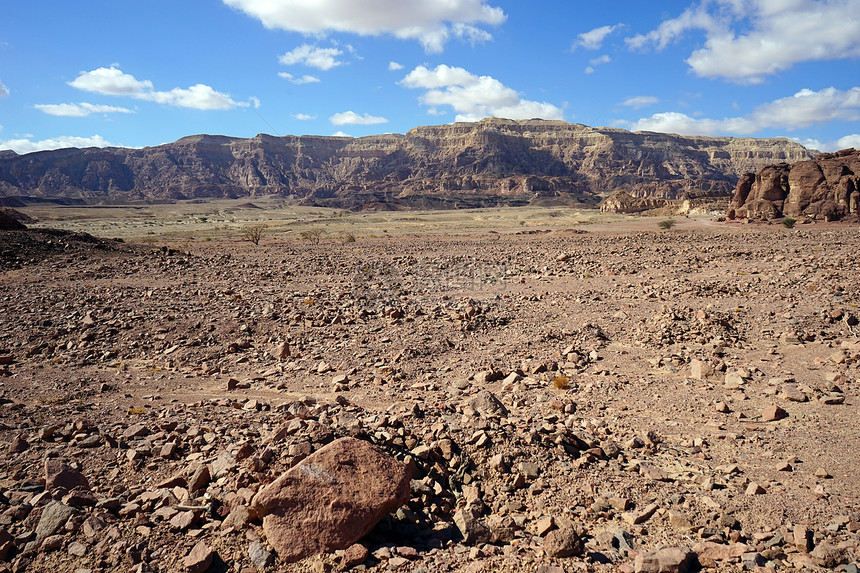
(666,560)
(331,499)
(199,559)
(58,474)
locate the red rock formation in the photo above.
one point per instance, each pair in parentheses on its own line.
(826,188)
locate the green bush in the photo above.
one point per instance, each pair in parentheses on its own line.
(788,222)
(666,224)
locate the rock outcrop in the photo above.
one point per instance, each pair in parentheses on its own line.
(486,163)
(825,188)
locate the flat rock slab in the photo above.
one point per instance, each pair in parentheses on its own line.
(331,499)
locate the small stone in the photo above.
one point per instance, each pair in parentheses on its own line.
(355,554)
(474,532)
(679,521)
(830,556)
(58,474)
(280,351)
(529,470)
(199,479)
(340,379)
(259,556)
(18,445)
(544,525)
(636,517)
(665,560)
(183,520)
(700,370)
(773,413)
(822,473)
(51,543)
(754,489)
(802,538)
(54,515)
(77,549)
(563,542)
(199,559)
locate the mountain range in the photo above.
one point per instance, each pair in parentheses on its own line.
(486,163)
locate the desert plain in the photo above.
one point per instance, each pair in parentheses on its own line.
(569,390)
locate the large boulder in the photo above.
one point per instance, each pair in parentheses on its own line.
(331,499)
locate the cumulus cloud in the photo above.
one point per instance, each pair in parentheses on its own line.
(637,102)
(747,41)
(604,59)
(113,81)
(801,110)
(298,80)
(593,39)
(303,116)
(394,66)
(352,118)
(4,91)
(312,56)
(845,142)
(431,22)
(474,97)
(82,109)
(22,146)
(852,140)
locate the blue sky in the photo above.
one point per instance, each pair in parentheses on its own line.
(141,73)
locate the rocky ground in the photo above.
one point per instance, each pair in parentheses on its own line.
(609,400)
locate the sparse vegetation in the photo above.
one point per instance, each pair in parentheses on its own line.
(666,224)
(561,382)
(253,233)
(788,222)
(313,236)
(348,238)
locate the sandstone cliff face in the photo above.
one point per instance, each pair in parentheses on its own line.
(490,162)
(825,188)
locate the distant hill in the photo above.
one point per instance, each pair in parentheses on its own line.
(486,163)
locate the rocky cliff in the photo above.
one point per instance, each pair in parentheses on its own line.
(825,188)
(490,162)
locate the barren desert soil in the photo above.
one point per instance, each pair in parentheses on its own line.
(638,369)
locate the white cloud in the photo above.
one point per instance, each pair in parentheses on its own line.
(844,142)
(637,102)
(82,109)
(394,66)
(255,101)
(28,145)
(852,140)
(303,116)
(474,97)
(746,41)
(305,79)
(4,91)
(604,59)
(695,17)
(431,22)
(801,110)
(312,56)
(113,81)
(593,39)
(352,118)
(340,134)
